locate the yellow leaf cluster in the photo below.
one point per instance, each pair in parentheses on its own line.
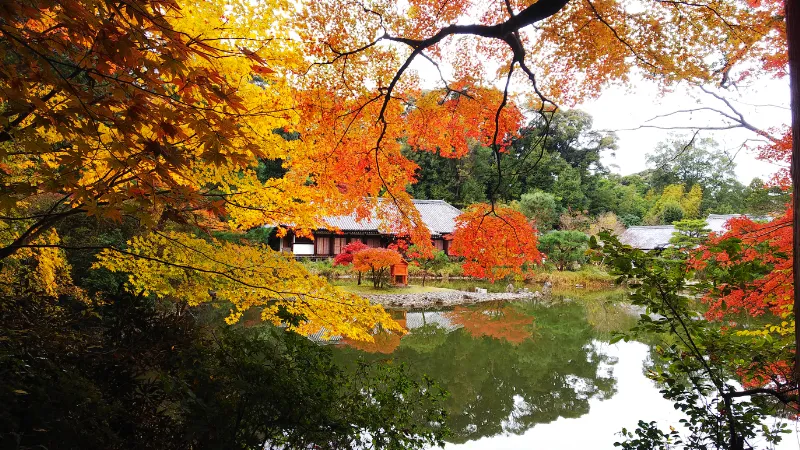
(37,271)
(195,270)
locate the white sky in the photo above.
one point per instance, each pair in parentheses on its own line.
(764,104)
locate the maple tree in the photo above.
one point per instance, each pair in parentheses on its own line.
(565,52)
(246,277)
(750,271)
(495,242)
(427,262)
(698,361)
(345,258)
(159,110)
(378,261)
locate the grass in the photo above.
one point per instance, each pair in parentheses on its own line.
(590,277)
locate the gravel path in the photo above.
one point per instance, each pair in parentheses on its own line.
(445,298)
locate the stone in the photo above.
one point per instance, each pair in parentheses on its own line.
(510,288)
(547,288)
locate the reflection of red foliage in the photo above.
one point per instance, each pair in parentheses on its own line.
(495,242)
(385,342)
(494,320)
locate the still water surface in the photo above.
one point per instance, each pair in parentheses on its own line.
(526,375)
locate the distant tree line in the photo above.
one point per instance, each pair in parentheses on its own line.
(556,168)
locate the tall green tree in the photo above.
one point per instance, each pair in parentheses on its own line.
(762,200)
(542,208)
(460,182)
(697,161)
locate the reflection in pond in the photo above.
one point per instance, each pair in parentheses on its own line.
(420,319)
(507,367)
(498,319)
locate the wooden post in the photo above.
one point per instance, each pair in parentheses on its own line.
(793,42)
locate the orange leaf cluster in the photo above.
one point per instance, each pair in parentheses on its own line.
(737,254)
(779,152)
(375,259)
(450,122)
(495,242)
(345,258)
(752,261)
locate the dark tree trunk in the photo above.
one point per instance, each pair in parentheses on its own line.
(793,41)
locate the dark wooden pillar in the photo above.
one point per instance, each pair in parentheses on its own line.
(793,42)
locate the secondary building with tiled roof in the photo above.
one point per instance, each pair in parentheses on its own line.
(658,236)
(438,215)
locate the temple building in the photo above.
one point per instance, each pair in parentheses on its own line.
(438,215)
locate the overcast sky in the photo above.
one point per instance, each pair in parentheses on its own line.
(764,105)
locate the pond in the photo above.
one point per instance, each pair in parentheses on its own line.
(529,375)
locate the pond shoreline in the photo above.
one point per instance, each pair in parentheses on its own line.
(447,298)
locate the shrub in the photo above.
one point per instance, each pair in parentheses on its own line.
(672,212)
(345,258)
(564,248)
(540,207)
(325,268)
(428,265)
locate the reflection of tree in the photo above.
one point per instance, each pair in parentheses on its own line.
(425,339)
(385,342)
(498,320)
(607,317)
(496,386)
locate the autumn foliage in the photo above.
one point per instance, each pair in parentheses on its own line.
(752,267)
(160,112)
(245,277)
(345,258)
(378,262)
(495,242)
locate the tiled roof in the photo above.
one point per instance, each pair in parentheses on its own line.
(658,236)
(438,215)
(648,238)
(716,222)
(438,318)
